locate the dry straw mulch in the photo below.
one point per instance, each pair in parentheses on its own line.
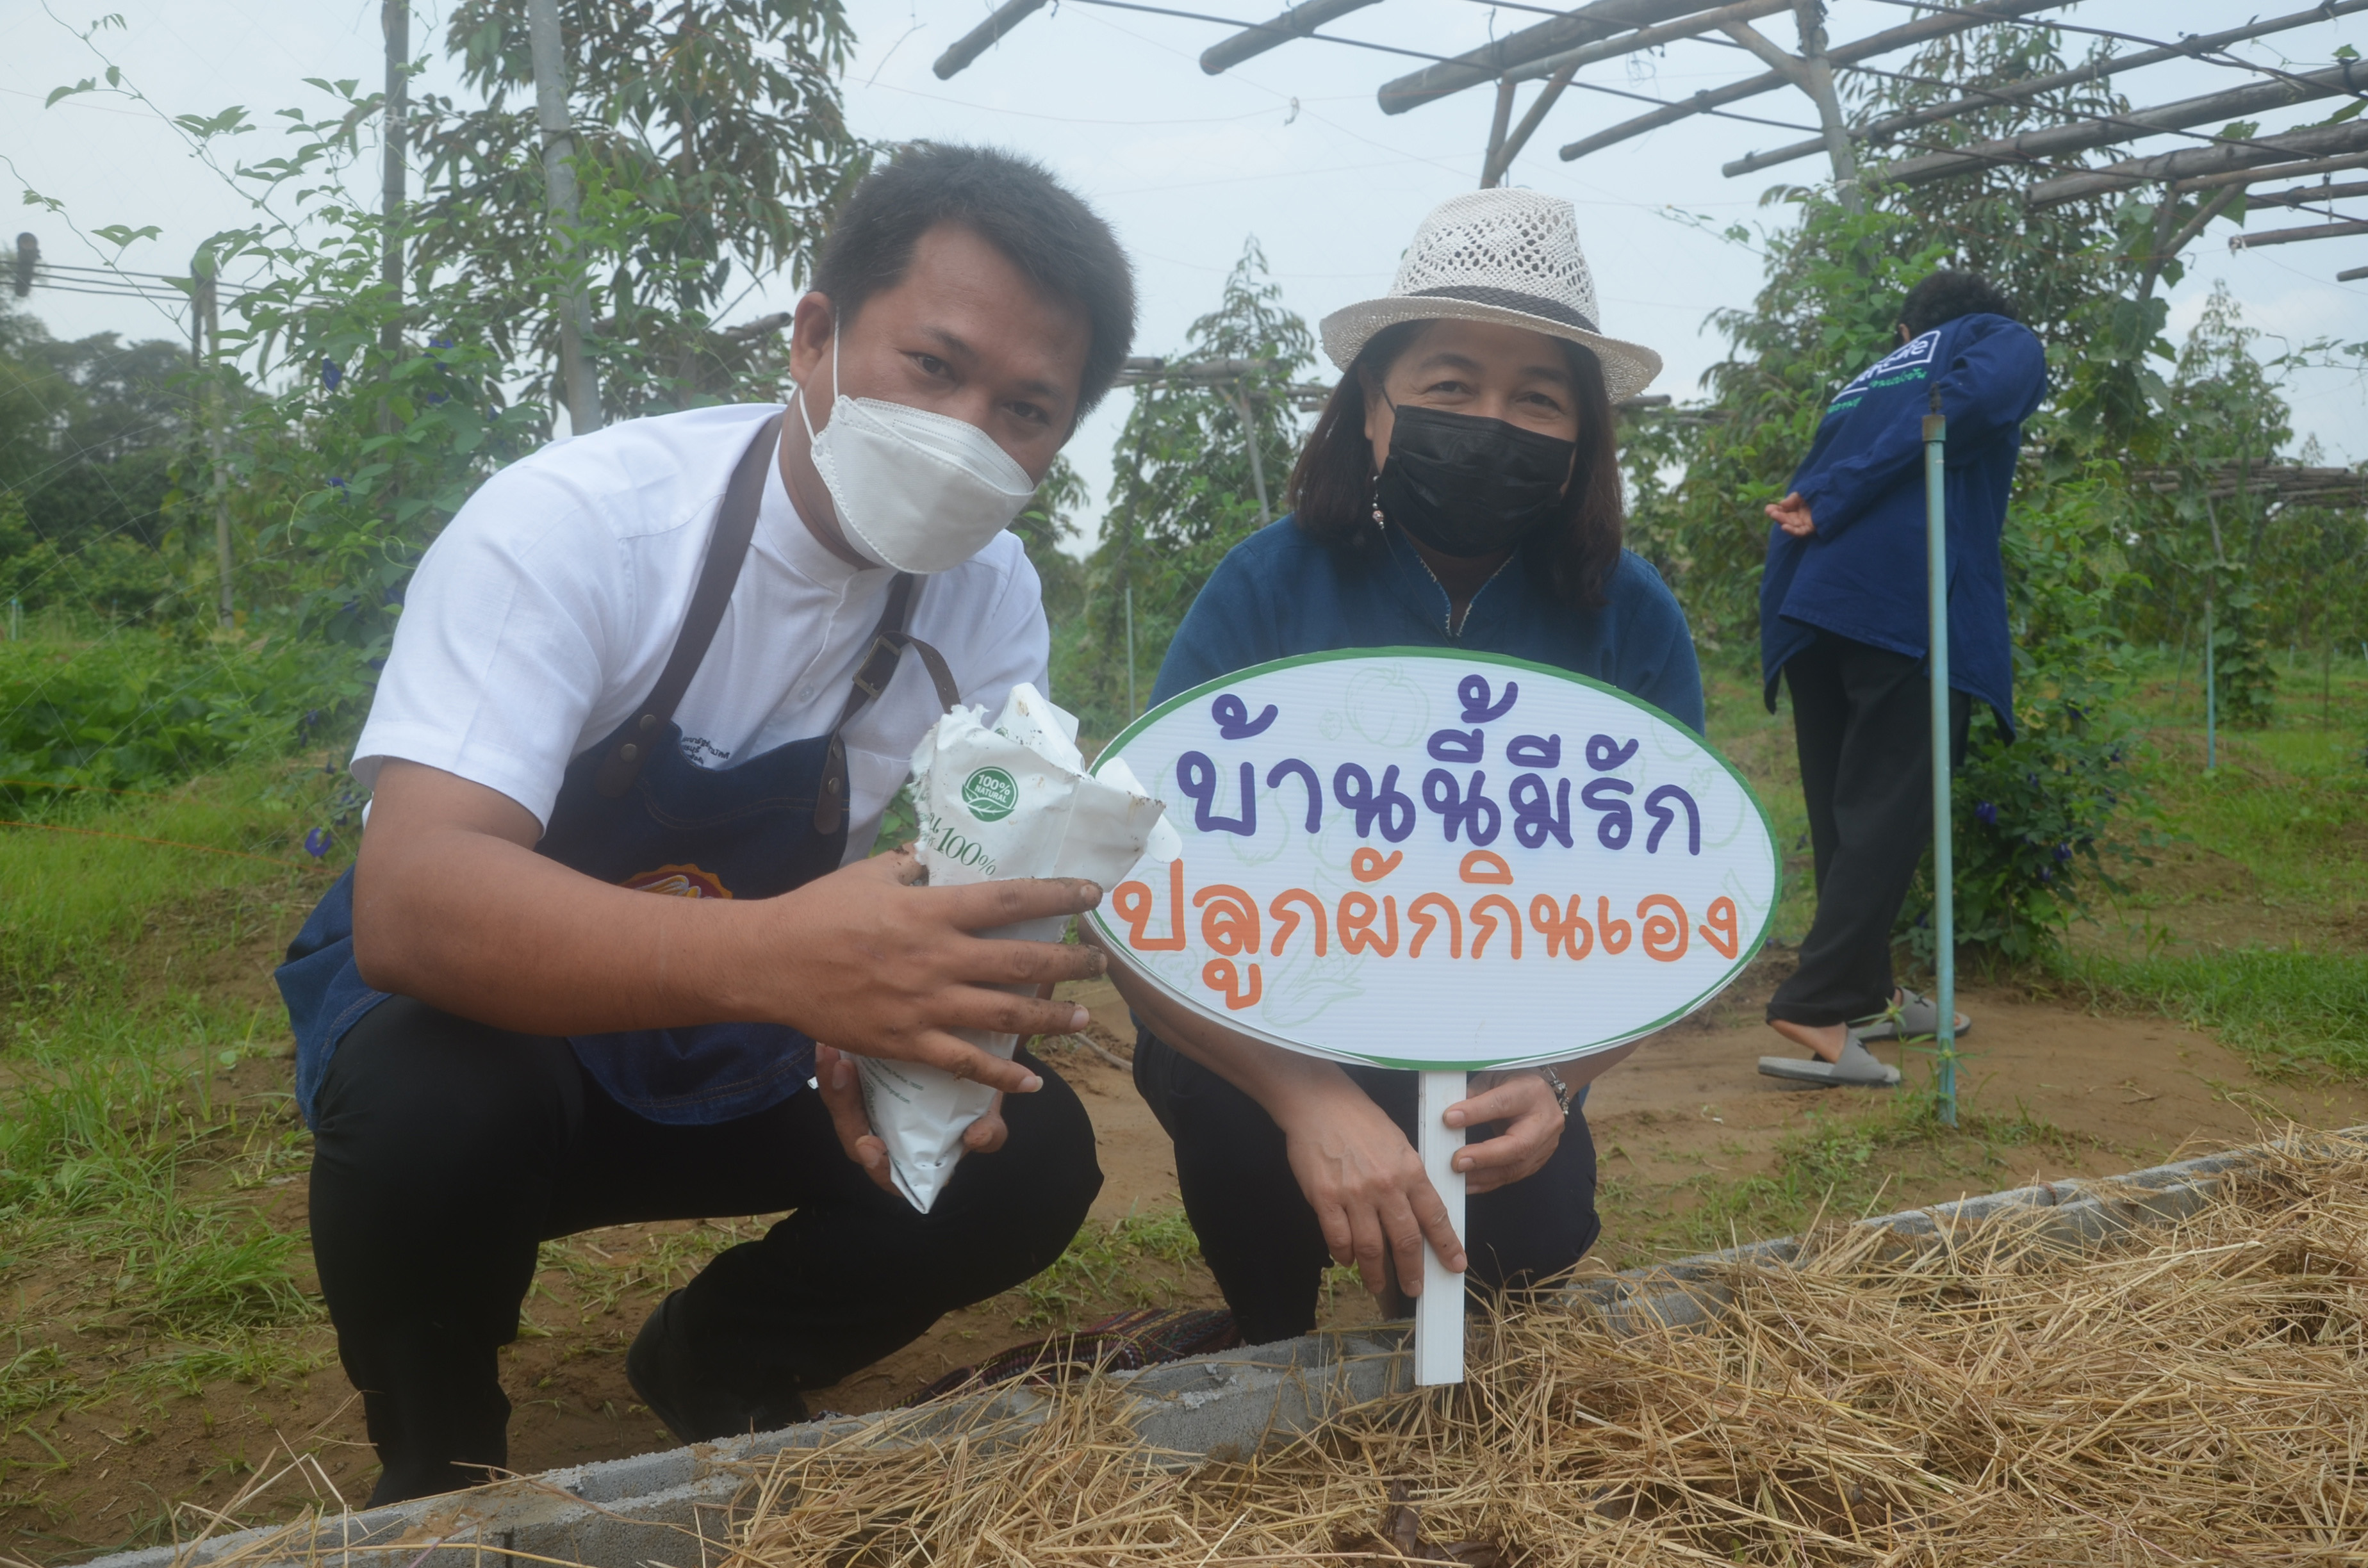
(2197,1395)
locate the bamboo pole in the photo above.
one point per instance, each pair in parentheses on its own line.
(1817,80)
(1940,23)
(977,41)
(2080,135)
(2006,92)
(1653,38)
(1295,21)
(2218,163)
(1587,24)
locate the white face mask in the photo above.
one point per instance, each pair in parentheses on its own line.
(915,490)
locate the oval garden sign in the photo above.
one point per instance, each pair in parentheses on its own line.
(1417,857)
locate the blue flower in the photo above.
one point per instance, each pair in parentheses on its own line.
(338,482)
(312,717)
(2063,853)
(2046,873)
(317,842)
(439,343)
(331,373)
(1985,813)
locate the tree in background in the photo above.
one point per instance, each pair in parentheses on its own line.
(719,120)
(88,432)
(1184,491)
(2222,414)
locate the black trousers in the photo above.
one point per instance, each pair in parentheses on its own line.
(446,1151)
(1863,721)
(1262,1238)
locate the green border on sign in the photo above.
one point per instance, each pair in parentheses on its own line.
(1744,955)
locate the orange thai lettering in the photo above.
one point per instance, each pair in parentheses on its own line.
(1135,905)
(1221,976)
(1484,923)
(1615,933)
(1356,923)
(1229,918)
(1565,931)
(1663,921)
(1486,865)
(1286,918)
(1720,928)
(1426,923)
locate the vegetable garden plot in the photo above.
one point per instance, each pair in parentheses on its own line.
(2196,1395)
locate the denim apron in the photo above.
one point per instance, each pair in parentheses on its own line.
(634,812)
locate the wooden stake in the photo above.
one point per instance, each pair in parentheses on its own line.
(1439,1311)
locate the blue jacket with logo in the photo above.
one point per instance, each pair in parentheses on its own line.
(1861,574)
(1280,593)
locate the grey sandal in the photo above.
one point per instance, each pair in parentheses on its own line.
(1856,1069)
(1915,1016)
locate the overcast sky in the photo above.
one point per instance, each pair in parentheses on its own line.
(1289,148)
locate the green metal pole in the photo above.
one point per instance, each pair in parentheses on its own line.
(1944,871)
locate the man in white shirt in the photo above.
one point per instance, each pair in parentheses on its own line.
(673,657)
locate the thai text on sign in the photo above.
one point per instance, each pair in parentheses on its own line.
(1422,859)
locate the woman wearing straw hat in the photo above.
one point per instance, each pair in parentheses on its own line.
(1460,490)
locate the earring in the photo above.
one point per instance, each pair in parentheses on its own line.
(1380,523)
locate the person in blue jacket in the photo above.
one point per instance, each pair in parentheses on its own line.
(1460,490)
(1843,618)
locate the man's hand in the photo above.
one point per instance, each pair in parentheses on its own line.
(835,1076)
(1792,514)
(1526,1102)
(453,907)
(882,968)
(1367,1187)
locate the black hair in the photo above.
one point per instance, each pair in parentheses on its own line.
(1331,489)
(1058,242)
(1945,296)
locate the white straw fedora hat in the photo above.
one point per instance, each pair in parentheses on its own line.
(1509,257)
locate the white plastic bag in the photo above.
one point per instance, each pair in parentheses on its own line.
(1012,799)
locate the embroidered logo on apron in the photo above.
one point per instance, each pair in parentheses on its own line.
(679,881)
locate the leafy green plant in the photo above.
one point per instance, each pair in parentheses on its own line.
(1185,491)
(2042,823)
(138,710)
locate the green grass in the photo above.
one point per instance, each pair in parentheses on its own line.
(1835,1168)
(2249,923)
(2289,1007)
(130,1159)
(1119,1263)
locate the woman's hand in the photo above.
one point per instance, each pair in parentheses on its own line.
(1526,1103)
(1366,1183)
(1792,514)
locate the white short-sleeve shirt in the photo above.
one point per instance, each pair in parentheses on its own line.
(540,618)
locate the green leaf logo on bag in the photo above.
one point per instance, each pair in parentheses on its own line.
(990,793)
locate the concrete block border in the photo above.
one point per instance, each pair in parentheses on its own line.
(664,1510)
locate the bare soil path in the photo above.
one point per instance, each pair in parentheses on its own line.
(1677,1128)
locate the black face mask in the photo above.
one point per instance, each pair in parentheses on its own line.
(1469,486)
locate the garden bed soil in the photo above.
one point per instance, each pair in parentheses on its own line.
(1687,1119)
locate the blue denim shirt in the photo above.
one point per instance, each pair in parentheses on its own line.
(1280,593)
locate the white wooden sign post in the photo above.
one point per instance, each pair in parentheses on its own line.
(1418,859)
